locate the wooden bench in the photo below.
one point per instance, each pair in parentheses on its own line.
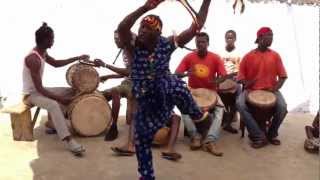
(21,122)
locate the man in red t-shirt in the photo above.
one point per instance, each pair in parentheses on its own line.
(203,68)
(262,69)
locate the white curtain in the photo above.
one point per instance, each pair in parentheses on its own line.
(86,26)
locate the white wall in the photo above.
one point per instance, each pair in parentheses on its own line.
(86,26)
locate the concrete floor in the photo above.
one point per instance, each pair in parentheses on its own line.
(46,159)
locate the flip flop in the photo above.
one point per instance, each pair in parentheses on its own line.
(173,156)
(122,152)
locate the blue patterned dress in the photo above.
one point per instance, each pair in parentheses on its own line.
(157,91)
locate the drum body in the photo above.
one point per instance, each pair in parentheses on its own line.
(227,92)
(82,78)
(90,114)
(261,104)
(206,99)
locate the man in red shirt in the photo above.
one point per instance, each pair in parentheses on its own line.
(203,67)
(262,69)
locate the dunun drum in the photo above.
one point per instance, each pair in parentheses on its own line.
(262,104)
(90,114)
(83,78)
(206,99)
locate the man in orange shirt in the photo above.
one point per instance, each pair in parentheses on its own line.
(203,67)
(262,69)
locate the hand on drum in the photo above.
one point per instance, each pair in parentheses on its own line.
(271,89)
(151,4)
(65,100)
(83,57)
(99,63)
(248,83)
(104,78)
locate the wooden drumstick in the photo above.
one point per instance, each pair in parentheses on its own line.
(119,52)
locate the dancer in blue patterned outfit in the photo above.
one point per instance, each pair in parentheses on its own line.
(157,91)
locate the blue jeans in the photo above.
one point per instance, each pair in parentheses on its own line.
(251,124)
(214,131)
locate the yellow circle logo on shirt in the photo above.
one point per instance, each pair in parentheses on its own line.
(201,70)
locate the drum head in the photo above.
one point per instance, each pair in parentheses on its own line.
(83,78)
(261,98)
(90,115)
(204,98)
(228,86)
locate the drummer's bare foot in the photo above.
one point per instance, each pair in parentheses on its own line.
(112,134)
(230,129)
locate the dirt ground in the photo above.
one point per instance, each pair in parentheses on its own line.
(46,159)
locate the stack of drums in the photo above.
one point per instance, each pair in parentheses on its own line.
(89,112)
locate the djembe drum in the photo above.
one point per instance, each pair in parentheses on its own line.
(82,78)
(227,92)
(261,104)
(90,114)
(206,99)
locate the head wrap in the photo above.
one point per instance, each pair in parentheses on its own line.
(153,22)
(262,31)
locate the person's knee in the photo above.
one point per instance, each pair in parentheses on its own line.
(240,104)
(53,105)
(282,108)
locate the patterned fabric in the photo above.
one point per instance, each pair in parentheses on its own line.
(157,92)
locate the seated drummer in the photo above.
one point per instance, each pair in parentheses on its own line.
(203,67)
(115,93)
(262,69)
(231,59)
(51,99)
(312,133)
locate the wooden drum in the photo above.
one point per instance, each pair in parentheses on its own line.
(90,114)
(261,104)
(83,78)
(227,92)
(206,99)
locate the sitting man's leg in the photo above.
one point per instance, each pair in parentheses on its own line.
(255,134)
(127,149)
(170,152)
(192,131)
(58,119)
(114,95)
(210,142)
(279,115)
